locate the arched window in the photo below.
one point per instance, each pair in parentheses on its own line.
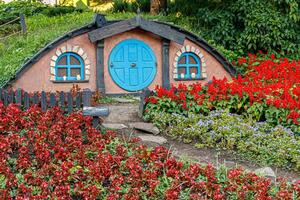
(69,67)
(189,66)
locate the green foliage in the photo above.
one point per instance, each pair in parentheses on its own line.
(12,10)
(17,49)
(131,6)
(260,142)
(246,25)
(30,8)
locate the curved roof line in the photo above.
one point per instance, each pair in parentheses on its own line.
(99,24)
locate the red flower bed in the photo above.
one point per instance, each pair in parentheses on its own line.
(53,156)
(270,90)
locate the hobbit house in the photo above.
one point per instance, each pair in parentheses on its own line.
(120,57)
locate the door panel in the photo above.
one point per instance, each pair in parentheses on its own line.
(147,71)
(133,78)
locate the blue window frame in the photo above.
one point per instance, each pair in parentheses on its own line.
(69,67)
(189,66)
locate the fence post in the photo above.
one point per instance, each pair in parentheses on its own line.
(11,95)
(78,100)
(44,101)
(5,98)
(26,100)
(23,23)
(52,100)
(70,102)
(36,98)
(62,100)
(86,97)
(145,94)
(19,97)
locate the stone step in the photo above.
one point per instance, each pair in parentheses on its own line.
(122,113)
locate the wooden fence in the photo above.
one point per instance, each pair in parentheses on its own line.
(20,20)
(65,100)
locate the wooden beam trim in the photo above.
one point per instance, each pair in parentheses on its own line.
(162,30)
(165,64)
(100,66)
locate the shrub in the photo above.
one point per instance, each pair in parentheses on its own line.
(131,6)
(29,8)
(246,25)
(255,141)
(53,156)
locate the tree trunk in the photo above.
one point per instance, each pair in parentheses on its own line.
(157,6)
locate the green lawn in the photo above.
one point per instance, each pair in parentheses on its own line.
(15,50)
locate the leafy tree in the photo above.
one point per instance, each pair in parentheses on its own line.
(246,25)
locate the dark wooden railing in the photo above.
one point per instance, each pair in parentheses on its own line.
(67,101)
(20,20)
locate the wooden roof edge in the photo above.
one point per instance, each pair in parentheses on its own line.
(133,23)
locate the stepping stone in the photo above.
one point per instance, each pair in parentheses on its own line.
(123,113)
(146,127)
(266,171)
(114,126)
(151,138)
(124,100)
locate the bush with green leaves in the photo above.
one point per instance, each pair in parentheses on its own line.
(246,25)
(131,6)
(256,141)
(29,8)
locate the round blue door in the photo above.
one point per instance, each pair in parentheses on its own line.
(132,65)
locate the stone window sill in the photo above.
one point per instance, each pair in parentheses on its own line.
(79,81)
(189,79)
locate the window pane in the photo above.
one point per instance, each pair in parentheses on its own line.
(181,71)
(192,60)
(75,72)
(63,61)
(74,61)
(194,70)
(61,72)
(182,60)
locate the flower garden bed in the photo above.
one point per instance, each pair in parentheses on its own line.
(269,91)
(53,156)
(259,142)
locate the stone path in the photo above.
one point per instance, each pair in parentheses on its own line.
(124,119)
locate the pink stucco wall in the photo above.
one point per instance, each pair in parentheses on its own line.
(37,77)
